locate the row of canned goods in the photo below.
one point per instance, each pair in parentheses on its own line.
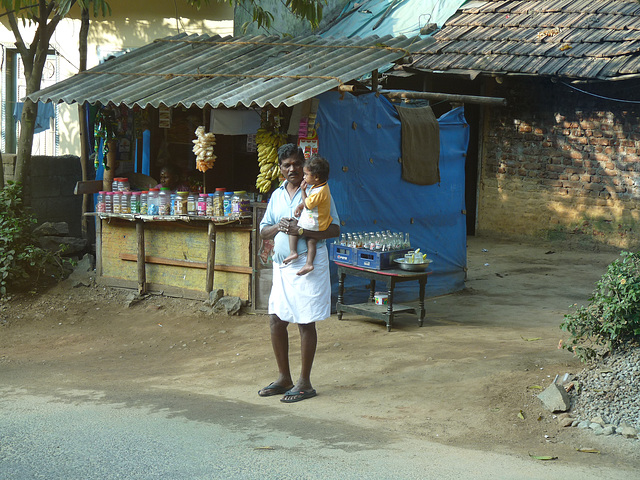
(162,201)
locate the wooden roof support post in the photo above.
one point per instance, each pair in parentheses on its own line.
(211,256)
(142,272)
(374,81)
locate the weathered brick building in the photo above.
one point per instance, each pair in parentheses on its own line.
(562,159)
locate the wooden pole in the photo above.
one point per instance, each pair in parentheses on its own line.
(490,101)
(142,273)
(109,173)
(211,256)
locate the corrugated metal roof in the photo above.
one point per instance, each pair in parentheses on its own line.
(199,70)
(583,39)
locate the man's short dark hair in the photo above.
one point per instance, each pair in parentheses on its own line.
(318,166)
(290,150)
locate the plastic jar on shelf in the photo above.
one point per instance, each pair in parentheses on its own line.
(153,207)
(144,202)
(108,202)
(100,208)
(228,196)
(172,203)
(202,204)
(209,212)
(240,204)
(180,206)
(123,184)
(114,184)
(218,202)
(134,206)
(125,202)
(192,204)
(117,199)
(164,199)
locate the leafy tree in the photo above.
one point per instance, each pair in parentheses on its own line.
(47,14)
(310,10)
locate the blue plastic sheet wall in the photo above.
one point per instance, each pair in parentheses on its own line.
(360,137)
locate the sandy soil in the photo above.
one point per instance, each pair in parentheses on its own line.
(461,379)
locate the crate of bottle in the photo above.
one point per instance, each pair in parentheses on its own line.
(342,253)
(375,260)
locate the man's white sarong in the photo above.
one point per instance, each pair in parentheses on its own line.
(302,298)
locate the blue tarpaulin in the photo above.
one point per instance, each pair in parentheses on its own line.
(391,17)
(361,138)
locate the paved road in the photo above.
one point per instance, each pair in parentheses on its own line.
(167,435)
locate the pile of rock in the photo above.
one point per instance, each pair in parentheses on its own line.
(604,397)
(54,236)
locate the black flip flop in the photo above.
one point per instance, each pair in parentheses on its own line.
(298,395)
(272,389)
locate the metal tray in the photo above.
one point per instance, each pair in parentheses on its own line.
(412,267)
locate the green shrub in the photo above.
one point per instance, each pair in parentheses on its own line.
(21,262)
(612,318)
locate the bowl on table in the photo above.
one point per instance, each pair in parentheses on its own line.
(418,265)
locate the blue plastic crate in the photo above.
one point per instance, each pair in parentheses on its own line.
(342,253)
(378,260)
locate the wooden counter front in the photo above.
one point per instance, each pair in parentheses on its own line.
(175,252)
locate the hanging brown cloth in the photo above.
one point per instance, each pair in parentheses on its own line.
(420,145)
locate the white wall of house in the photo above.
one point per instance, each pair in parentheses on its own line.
(131,25)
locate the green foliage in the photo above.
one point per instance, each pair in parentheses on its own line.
(21,262)
(309,10)
(612,317)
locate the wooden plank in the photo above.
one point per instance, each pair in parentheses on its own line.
(87,186)
(185,263)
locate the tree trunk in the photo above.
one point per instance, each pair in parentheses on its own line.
(33,60)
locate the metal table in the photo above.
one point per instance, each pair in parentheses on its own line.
(390,278)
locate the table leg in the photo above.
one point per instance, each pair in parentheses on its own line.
(341,276)
(372,291)
(390,285)
(423,284)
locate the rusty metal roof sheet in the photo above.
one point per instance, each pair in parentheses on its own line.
(187,70)
(579,39)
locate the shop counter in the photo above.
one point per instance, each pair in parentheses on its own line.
(389,278)
(183,256)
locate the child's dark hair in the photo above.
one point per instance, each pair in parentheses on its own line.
(318,166)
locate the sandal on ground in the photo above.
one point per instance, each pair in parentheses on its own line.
(272,389)
(297,395)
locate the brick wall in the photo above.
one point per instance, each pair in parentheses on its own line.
(49,189)
(560,164)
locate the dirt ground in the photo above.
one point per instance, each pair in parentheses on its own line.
(462,379)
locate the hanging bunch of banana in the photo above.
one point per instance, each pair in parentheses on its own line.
(268,143)
(203,148)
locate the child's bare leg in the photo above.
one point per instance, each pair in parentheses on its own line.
(311,256)
(293,249)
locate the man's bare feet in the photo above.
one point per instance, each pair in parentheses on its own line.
(306,269)
(292,256)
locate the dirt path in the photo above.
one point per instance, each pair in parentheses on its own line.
(461,379)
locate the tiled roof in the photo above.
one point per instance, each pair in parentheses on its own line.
(579,39)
